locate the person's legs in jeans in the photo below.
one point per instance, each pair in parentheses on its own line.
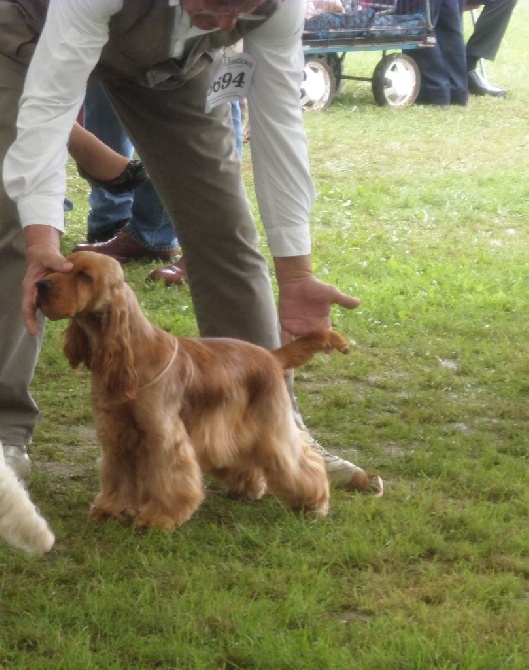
(141,211)
(108,213)
(236,116)
(149,223)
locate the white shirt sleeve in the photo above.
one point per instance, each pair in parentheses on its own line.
(68,50)
(283,185)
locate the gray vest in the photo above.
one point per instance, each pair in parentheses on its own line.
(140,41)
(20,25)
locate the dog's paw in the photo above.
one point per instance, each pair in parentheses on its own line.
(366,482)
(102,513)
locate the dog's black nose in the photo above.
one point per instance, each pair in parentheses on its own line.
(44,287)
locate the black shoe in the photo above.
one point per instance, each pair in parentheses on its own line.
(132,177)
(478,85)
(106,233)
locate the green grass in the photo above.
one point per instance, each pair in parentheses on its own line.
(422,213)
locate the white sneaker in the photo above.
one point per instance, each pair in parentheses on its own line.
(17,459)
(347,475)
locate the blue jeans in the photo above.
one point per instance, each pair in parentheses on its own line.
(237,125)
(148,222)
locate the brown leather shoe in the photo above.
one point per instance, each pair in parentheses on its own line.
(171,274)
(124,248)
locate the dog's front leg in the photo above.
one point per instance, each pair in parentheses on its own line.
(170,484)
(120,441)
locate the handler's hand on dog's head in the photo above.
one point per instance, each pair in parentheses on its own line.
(305,305)
(41,260)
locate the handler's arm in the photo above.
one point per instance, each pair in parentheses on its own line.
(283,185)
(35,166)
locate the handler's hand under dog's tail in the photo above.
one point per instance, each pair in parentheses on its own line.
(305,305)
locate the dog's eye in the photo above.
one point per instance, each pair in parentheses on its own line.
(84,276)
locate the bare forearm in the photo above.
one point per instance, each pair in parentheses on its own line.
(292,268)
(41,237)
(95,157)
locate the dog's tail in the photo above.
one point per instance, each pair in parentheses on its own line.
(295,353)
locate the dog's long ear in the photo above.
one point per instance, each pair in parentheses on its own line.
(115,358)
(77,347)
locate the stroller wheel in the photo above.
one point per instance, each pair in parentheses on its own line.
(318,86)
(396,81)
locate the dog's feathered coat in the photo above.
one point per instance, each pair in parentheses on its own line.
(167,409)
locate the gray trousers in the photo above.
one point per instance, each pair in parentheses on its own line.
(191,158)
(490,28)
(18,349)
(193,163)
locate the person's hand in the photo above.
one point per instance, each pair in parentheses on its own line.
(305,305)
(42,257)
(304,301)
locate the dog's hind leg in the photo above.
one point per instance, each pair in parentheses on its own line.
(295,473)
(248,483)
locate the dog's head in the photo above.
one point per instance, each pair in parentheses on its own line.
(94,296)
(89,287)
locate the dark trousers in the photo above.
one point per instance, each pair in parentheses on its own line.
(443,66)
(489,30)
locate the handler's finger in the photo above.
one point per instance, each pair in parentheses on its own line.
(62,265)
(343,300)
(286,337)
(54,263)
(29,309)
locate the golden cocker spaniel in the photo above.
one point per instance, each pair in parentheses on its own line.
(168,409)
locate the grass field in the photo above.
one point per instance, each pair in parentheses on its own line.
(422,213)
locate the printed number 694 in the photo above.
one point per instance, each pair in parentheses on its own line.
(227,80)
